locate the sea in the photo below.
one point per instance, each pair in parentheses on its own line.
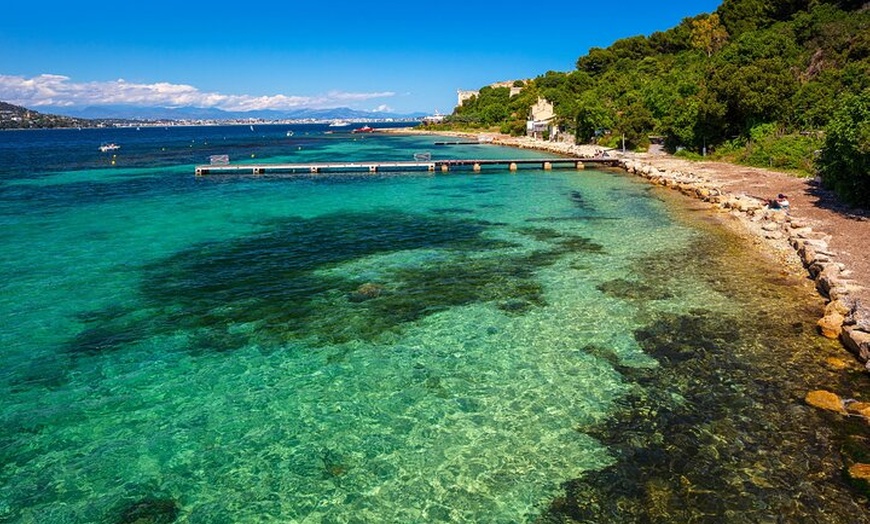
(394,347)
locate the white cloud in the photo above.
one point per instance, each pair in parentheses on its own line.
(60,91)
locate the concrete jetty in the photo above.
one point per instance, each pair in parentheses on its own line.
(444,166)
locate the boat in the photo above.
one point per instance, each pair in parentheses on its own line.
(423,157)
(289,133)
(339,123)
(363,129)
(109,147)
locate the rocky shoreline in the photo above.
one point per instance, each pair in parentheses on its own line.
(846,317)
(813,241)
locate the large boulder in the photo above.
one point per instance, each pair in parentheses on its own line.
(859,317)
(831,325)
(857,341)
(828,278)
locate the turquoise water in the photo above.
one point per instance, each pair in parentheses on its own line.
(369,348)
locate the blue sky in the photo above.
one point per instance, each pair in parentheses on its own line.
(402,56)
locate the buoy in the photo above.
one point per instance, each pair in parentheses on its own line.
(252,155)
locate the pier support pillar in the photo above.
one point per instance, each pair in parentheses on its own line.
(431,168)
(373,169)
(581,165)
(477,168)
(445,168)
(513,166)
(315,169)
(548,166)
(199,171)
(258,170)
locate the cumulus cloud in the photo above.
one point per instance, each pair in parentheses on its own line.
(60,91)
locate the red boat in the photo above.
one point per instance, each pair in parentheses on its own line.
(363,129)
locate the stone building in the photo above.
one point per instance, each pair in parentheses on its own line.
(541,122)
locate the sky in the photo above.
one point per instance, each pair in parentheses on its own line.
(403,56)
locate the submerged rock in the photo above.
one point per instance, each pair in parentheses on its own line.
(825,400)
(859,408)
(365,292)
(860,471)
(835,364)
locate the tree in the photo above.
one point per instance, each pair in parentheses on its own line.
(708,34)
(740,16)
(596,61)
(845,160)
(591,117)
(635,124)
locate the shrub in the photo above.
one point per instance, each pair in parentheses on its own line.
(844,163)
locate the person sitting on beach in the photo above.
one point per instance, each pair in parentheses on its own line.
(780,202)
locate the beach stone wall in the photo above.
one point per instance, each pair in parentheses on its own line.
(845,317)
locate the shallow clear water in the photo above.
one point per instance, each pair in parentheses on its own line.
(364,348)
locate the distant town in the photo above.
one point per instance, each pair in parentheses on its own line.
(17,117)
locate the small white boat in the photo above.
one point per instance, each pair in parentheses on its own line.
(289,133)
(339,123)
(109,147)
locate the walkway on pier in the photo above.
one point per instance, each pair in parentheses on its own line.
(374,167)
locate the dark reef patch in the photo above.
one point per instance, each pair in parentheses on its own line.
(579,200)
(716,433)
(452,211)
(633,290)
(563,243)
(150,511)
(280,286)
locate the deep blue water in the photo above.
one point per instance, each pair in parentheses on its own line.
(406,347)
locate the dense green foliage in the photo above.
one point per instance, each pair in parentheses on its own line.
(845,159)
(758,81)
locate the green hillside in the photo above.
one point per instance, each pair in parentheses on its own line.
(783,84)
(16,117)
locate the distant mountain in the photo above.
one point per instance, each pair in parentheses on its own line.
(17,117)
(209,113)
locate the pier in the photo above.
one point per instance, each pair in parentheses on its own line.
(444,166)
